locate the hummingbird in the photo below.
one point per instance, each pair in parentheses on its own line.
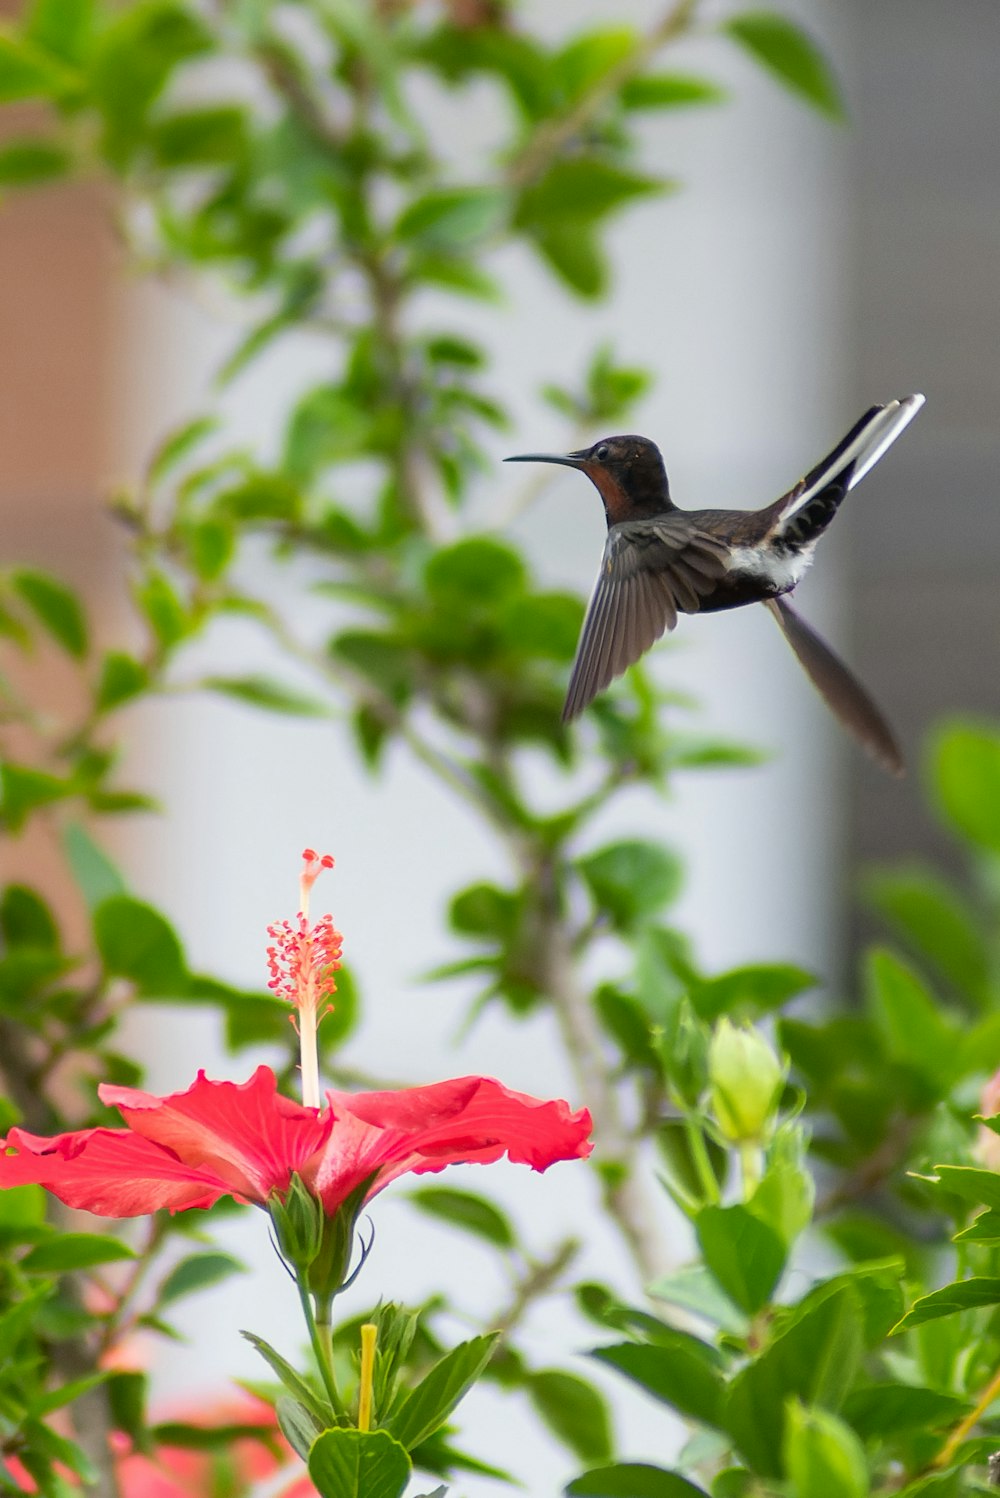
(660,561)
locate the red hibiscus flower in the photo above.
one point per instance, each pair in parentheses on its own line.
(245,1140)
(239,1469)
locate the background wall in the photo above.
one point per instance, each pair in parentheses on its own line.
(925,208)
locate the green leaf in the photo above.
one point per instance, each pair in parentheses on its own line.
(940,1485)
(573,251)
(96,876)
(160,605)
(358,1464)
(381,659)
(934,920)
(66,1394)
(273,696)
(963,1295)
(589,57)
(750,991)
(428,1405)
(680,1370)
(980,1187)
(199,137)
(62,28)
(486,911)
(317,1405)
(965,769)
(32,159)
(791,55)
(135,58)
(22,1209)
(299,1428)
(878,1288)
(985,1229)
(733,1482)
(670,91)
(633,1480)
(815,1359)
(784,1199)
(196,1273)
(122,678)
(70,1251)
(210,546)
(477,572)
(56,607)
(42,1440)
(450,219)
(744,1254)
(26,920)
(878,1412)
(465,1210)
(914,1033)
(694,1289)
(456,275)
(632,881)
(26,72)
(137,942)
(574,1411)
(24,790)
(823,1457)
(174,448)
(582,190)
(221,1437)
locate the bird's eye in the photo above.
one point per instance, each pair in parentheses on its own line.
(602,452)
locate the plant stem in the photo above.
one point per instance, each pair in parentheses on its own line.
(559,133)
(626,1201)
(537,1280)
(751,1165)
(701,1158)
(971,1420)
(320,1340)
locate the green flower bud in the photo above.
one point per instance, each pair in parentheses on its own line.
(298,1224)
(746,1080)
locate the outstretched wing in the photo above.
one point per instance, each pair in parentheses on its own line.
(651,571)
(839,688)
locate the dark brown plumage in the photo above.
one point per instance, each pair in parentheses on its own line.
(660,561)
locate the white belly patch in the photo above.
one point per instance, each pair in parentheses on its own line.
(782,569)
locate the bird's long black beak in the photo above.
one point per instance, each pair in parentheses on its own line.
(569,460)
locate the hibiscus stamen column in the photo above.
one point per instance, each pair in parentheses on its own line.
(302,962)
(369,1336)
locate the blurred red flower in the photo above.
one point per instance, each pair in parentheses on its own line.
(237,1466)
(245,1140)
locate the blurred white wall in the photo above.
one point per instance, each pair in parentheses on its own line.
(733,291)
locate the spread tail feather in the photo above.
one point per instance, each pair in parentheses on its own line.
(812,503)
(840,689)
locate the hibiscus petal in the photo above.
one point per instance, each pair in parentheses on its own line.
(469,1120)
(108,1171)
(247,1133)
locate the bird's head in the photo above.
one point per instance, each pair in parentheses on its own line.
(627,472)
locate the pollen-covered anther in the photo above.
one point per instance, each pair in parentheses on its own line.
(303,962)
(313,865)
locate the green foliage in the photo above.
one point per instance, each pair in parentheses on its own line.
(966,777)
(574,1411)
(427,1406)
(633,1480)
(791,54)
(356,1464)
(465,1210)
